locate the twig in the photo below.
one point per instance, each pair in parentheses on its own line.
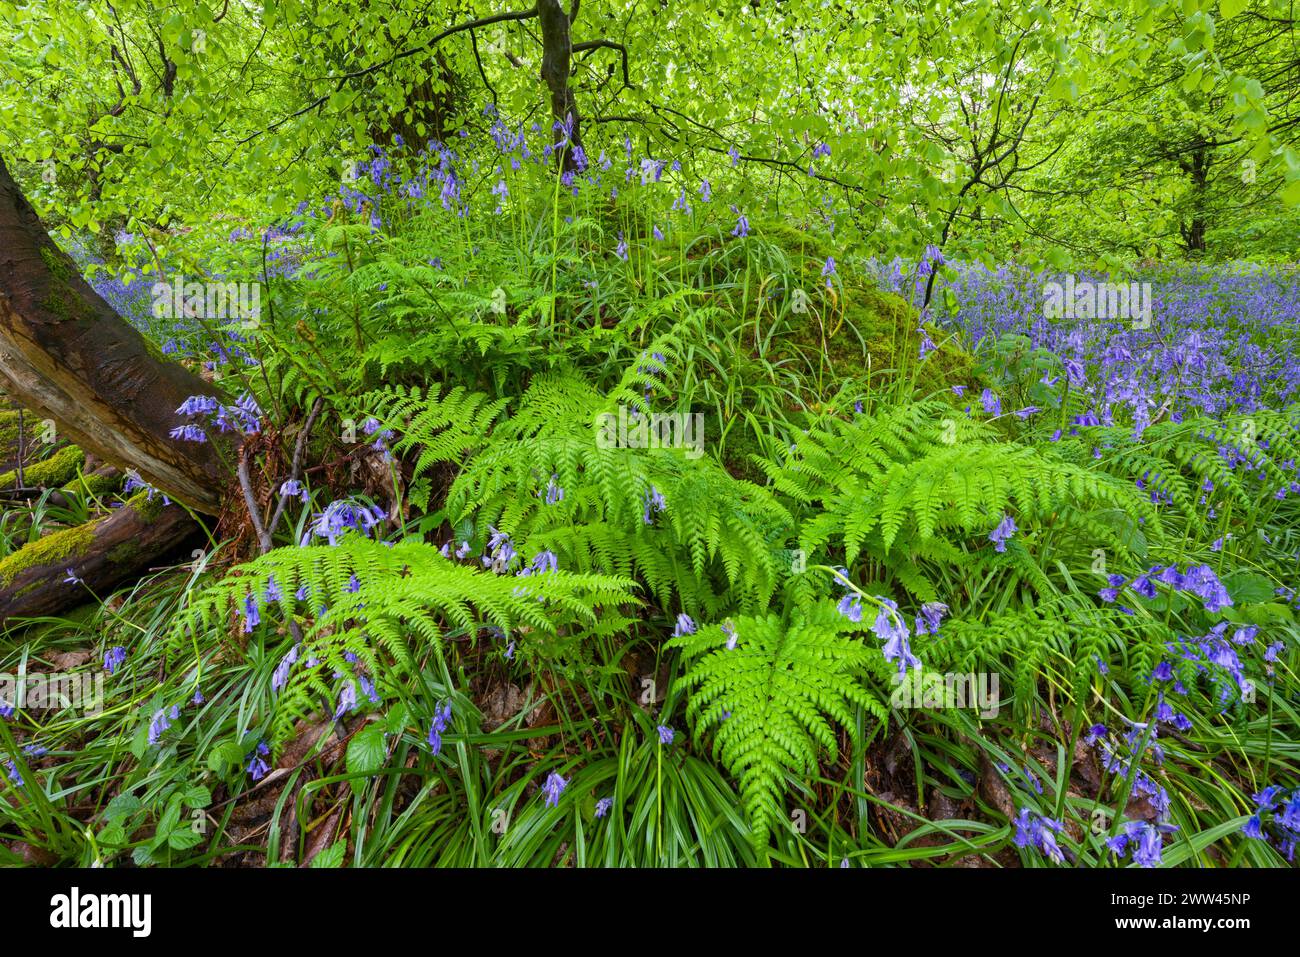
(254,513)
(295,468)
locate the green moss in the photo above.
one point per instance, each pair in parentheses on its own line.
(61,299)
(59,469)
(93,485)
(872,335)
(147,509)
(53,549)
(9,433)
(60,267)
(122,554)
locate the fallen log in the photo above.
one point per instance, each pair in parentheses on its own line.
(100,555)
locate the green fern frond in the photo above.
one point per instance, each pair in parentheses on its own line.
(771,703)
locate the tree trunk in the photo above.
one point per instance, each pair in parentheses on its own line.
(65,354)
(557,50)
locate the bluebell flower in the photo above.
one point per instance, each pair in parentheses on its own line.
(258,768)
(252,618)
(339,516)
(347,700)
(666,734)
(441,718)
(280,677)
(114,659)
(654,502)
(1143,839)
(685,626)
(932,613)
(553,788)
(545,561)
(198,405)
(889,627)
(188,433)
(741,229)
(368,689)
(161,721)
(1035,830)
(1144,586)
(1005,529)
(603,806)
(294,487)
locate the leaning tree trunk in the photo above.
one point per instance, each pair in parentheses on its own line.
(65,354)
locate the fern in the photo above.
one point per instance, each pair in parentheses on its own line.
(440,428)
(715,533)
(923,481)
(770,701)
(366,598)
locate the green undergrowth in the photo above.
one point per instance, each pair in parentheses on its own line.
(538,647)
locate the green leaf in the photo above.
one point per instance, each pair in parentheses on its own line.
(224,755)
(121,807)
(183,838)
(366,753)
(1247,587)
(332,856)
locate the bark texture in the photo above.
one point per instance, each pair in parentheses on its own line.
(65,354)
(557,52)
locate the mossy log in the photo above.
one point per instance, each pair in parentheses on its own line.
(59,469)
(102,554)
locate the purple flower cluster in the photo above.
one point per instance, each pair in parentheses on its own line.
(438,724)
(1276,819)
(1218,340)
(341,515)
(889,627)
(1034,830)
(243,417)
(1143,840)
